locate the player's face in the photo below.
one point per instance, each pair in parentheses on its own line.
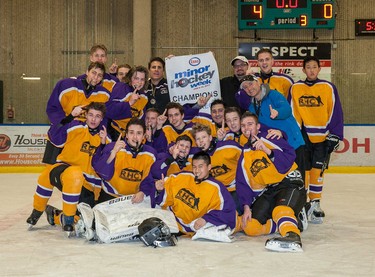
(138,80)
(203,140)
(183,147)
(94,76)
(156,71)
(175,118)
(265,62)
(232,119)
(135,135)
(93,118)
(311,70)
(201,169)
(240,68)
(217,113)
(99,56)
(121,73)
(249,127)
(151,119)
(252,88)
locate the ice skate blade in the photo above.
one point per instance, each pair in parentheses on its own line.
(30,227)
(277,246)
(316,220)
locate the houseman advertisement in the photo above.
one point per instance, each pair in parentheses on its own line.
(192,76)
(22,145)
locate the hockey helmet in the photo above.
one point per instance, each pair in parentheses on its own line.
(154,232)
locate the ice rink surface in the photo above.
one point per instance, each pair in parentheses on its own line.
(344,245)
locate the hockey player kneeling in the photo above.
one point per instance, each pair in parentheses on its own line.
(117,220)
(200,204)
(270,188)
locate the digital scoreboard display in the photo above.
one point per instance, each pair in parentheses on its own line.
(286,14)
(365,27)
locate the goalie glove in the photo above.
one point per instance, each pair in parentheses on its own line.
(332,143)
(220,233)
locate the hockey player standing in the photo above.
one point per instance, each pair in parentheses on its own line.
(317,109)
(270,189)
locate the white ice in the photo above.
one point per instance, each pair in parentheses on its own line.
(344,245)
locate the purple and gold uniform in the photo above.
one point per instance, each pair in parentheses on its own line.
(276,81)
(108,82)
(267,179)
(69,93)
(119,109)
(128,173)
(168,134)
(224,160)
(189,201)
(166,165)
(317,108)
(79,144)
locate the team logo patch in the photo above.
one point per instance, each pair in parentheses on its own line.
(188,198)
(258,165)
(310,101)
(135,112)
(131,174)
(219,170)
(4,142)
(86,147)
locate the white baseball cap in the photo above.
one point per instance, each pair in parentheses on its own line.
(241,58)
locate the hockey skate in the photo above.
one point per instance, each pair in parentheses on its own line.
(84,226)
(315,214)
(290,243)
(51,212)
(68,225)
(33,218)
(302,220)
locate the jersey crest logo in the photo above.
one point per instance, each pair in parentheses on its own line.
(87,148)
(135,112)
(310,101)
(219,170)
(188,198)
(258,165)
(131,174)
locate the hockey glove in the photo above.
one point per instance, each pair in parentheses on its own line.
(332,143)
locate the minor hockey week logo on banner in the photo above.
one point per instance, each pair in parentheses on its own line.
(190,77)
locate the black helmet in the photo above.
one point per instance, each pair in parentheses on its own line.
(153,231)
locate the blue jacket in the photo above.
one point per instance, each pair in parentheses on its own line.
(284,121)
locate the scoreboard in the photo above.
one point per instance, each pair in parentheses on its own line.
(286,14)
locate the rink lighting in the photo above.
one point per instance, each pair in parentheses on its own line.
(24,77)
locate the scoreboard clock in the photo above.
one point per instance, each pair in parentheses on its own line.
(286,14)
(365,27)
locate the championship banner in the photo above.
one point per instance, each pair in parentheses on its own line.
(22,145)
(289,57)
(192,76)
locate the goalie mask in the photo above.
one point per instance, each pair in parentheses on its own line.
(153,231)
